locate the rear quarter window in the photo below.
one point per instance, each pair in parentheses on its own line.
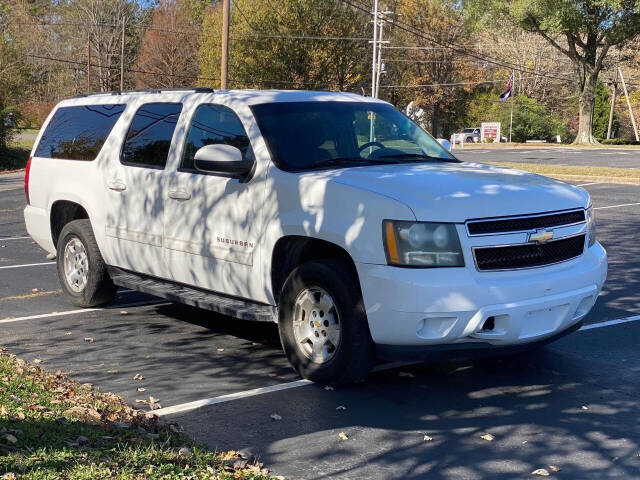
(78,133)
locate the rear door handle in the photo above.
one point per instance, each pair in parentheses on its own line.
(116,185)
(179,195)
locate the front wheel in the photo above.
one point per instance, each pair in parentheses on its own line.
(322,323)
(81,268)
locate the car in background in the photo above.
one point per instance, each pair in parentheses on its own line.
(470,135)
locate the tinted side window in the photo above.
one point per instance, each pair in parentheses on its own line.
(149,137)
(213,124)
(78,133)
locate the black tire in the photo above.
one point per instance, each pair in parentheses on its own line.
(99,289)
(355,354)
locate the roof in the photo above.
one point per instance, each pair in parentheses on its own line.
(250,97)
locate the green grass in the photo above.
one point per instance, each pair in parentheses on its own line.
(39,435)
(630,174)
(14,155)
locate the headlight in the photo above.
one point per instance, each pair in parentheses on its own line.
(591,225)
(420,244)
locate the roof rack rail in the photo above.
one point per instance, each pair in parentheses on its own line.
(149,90)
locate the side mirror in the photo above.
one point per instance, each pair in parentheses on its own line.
(220,158)
(445,144)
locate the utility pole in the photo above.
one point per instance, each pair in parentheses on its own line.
(374,63)
(633,120)
(613,102)
(513,99)
(224,62)
(379,60)
(88,62)
(124,19)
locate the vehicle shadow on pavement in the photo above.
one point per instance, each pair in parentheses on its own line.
(537,417)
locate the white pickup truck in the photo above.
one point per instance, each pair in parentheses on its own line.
(332,214)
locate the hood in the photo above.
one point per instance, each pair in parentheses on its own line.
(456,192)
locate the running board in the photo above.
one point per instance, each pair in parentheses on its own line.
(176,292)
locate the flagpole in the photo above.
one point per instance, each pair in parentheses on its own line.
(513,75)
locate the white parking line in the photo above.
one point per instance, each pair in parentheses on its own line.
(185,407)
(587,184)
(618,206)
(83,310)
(13,238)
(27,265)
(610,322)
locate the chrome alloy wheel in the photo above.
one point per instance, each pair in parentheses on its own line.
(76,264)
(316,325)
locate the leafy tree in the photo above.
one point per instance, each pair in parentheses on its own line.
(263,52)
(13,69)
(431,70)
(531,119)
(582,30)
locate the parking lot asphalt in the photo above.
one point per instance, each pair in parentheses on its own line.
(574,405)
(593,157)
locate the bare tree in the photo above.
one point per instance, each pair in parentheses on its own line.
(169,50)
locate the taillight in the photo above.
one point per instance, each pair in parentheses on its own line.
(26,180)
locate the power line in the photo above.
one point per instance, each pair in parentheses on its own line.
(164,74)
(411,30)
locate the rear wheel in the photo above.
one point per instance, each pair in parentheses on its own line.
(323,325)
(81,268)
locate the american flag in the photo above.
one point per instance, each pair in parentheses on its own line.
(507,91)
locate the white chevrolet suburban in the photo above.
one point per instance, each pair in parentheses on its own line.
(332,214)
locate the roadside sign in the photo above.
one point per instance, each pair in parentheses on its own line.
(490,130)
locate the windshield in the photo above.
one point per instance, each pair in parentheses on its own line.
(469,130)
(313,135)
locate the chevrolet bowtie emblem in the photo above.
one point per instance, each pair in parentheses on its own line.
(541,236)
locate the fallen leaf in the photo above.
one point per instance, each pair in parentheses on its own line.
(328,388)
(221,349)
(273,375)
(3,410)
(9,476)
(37,361)
(142,389)
(275,416)
(343,436)
(34,290)
(584,407)
(427,438)
(68,333)
(341,407)
(83,414)
(488,437)
(10,438)
(541,472)
(124,312)
(113,372)
(554,468)
(184,452)
(137,376)
(89,339)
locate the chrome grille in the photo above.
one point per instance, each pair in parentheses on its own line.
(519,224)
(528,255)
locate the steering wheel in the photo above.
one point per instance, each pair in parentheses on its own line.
(370,144)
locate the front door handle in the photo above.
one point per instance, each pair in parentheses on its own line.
(116,185)
(179,195)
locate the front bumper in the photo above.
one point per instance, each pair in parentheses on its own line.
(461,307)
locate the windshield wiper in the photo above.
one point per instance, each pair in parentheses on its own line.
(420,156)
(344,162)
